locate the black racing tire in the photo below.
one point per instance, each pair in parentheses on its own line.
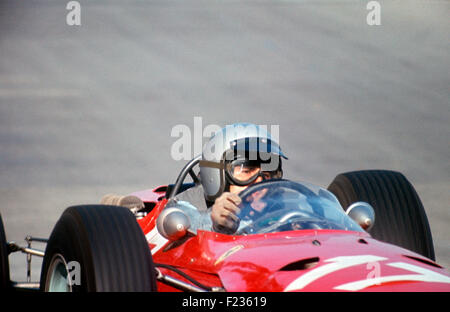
(400,218)
(109,248)
(5,282)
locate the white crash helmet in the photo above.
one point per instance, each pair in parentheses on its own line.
(237,144)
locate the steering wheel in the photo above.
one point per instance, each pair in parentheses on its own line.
(291,215)
(279,217)
(272,221)
(275,182)
(267,184)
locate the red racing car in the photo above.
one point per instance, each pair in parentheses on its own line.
(310,239)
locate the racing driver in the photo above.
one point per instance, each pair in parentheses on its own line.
(233,159)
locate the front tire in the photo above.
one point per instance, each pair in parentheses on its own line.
(98,248)
(400,216)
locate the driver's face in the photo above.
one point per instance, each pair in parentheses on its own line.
(244,173)
(236,189)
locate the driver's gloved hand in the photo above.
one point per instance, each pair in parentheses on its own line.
(224,213)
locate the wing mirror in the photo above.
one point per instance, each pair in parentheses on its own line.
(363,214)
(173,223)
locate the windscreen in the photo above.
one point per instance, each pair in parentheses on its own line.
(277,206)
(286,206)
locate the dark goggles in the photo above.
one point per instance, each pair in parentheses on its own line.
(247,159)
(244,172)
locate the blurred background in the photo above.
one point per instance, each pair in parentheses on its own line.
(88,110)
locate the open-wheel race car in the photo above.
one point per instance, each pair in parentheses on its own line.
(310,239)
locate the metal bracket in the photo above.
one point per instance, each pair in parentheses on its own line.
(13,247)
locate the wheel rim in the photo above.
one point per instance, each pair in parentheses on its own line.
(58,279)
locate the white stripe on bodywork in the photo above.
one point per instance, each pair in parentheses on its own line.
(424,275)
(153,237)
(335,264)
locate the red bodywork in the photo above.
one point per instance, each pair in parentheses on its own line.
(303,260)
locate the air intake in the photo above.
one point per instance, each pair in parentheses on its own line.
(303,264)
(424,261)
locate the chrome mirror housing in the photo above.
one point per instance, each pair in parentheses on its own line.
(173,223)
(363,214)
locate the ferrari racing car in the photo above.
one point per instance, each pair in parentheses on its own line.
(311,239)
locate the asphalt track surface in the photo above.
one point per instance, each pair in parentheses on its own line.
(88,110)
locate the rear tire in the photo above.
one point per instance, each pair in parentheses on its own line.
(400,218)
(109,248)
(5,282)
